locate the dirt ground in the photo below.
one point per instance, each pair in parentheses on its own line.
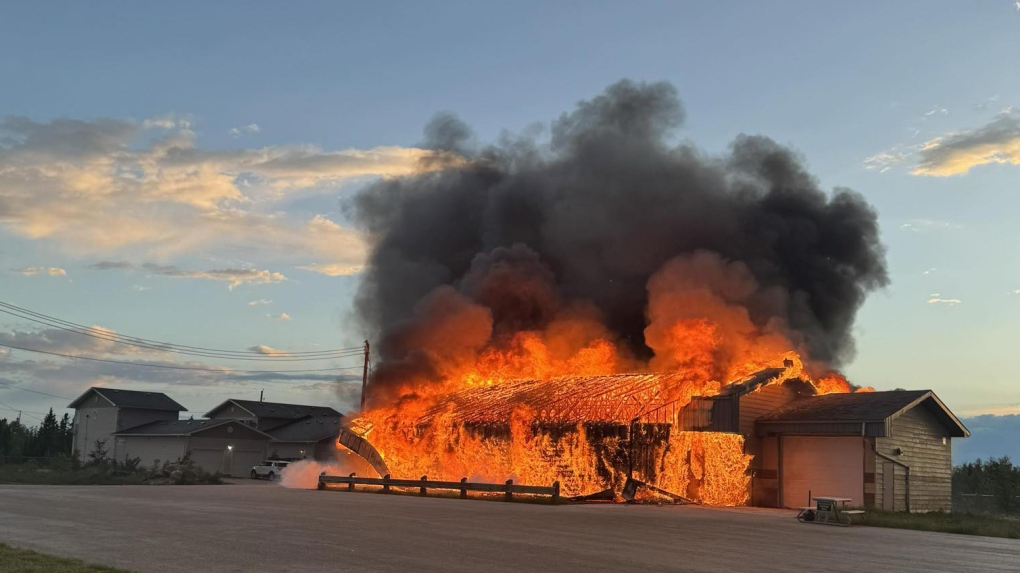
(264,527)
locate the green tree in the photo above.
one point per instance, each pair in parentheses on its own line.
(48,436)
(66,438)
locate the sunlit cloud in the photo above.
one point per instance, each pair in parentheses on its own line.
(268,350)
(43,271)
(281,316)
(332,269)
(259,302)
(1003,410)
(936,298)
(959,152)
(115,187)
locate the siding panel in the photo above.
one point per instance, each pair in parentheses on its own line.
(918,436)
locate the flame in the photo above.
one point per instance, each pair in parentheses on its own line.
(543,419)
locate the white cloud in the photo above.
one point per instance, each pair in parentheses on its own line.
(250,129)
(1015,291)
(233,277)
(115,187)
(930,271)
(885,160)
(949,301)
(281,316)
(959,152)
(45,271)
(922,226)
(259,302)
(987,103)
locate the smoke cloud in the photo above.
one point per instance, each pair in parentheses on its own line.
(603,229)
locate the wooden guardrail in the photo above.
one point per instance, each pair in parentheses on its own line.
(508,489)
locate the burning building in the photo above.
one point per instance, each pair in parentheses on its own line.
(602,302)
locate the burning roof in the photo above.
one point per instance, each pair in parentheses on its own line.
(573,399)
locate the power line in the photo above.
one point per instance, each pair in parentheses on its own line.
(22,411)
(93,332)
(12,408)
(13,387)
(168,366)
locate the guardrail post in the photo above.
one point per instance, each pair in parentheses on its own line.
(423,491)
(463,488)
(350,484)
(556,491)
(509,490)
(386,483)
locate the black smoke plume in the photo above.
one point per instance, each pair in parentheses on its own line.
(526,229)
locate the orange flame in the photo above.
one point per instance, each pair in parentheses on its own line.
(706,337)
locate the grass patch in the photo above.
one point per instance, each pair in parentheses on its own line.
(31,474)
(962,523)
(67,471)
(14,560)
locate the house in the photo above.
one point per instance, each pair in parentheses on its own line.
(268,415)
(101,412)
(312,437)
(888,450)
(230,447)
(236,435)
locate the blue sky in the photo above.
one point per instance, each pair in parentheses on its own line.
(288,108)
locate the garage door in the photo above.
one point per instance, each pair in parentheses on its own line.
(209,460)
(244,460)
(831,467)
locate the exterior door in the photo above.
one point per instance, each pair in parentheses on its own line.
(888,486)
(823,466)
(209,460)
(244,460)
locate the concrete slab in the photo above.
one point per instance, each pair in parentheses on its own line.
(252,527)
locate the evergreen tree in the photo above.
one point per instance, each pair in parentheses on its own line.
(66,440)
(48,436)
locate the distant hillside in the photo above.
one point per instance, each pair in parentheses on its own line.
(990,437)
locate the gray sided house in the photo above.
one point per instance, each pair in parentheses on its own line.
(230,447)
(313,438)
(237,435)
(886,450)
(99,413)
(268,415)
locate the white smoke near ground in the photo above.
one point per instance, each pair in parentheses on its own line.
(304,474)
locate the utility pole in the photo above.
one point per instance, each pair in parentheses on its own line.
(364,378)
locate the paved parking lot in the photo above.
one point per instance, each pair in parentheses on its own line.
(264,527)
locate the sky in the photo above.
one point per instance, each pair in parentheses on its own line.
(178,172)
